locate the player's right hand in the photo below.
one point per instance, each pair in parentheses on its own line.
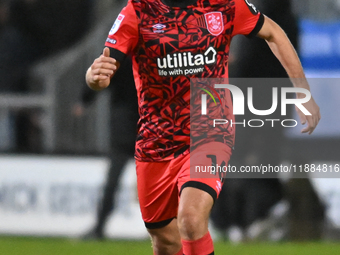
(99,74)
(311,120)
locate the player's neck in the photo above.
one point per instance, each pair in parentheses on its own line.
(179,3)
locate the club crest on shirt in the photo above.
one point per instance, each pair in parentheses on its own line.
(116,25)
(214,21)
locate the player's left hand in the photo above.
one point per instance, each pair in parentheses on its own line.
(312,120)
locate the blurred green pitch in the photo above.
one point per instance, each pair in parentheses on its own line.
(55,246)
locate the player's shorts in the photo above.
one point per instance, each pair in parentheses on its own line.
(160,184)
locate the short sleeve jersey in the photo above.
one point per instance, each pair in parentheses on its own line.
(169,46)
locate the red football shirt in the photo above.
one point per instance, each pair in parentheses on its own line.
(171,45)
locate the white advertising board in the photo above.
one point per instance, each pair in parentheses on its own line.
(58,196)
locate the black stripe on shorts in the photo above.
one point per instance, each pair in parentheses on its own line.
(201,186)
(160,224)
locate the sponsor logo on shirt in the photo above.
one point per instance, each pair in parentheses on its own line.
(185,63)
(158,28)
(214,22)
(116,25)
(112,41)
(251,7)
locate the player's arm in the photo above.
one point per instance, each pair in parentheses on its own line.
(286,54)
(99,74)
(121,41)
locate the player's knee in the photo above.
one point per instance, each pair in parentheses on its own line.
(164,243)
(165,249)
(191,225)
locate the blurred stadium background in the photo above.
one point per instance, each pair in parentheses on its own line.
(49,186)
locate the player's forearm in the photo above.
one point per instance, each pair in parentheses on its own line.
(285,53)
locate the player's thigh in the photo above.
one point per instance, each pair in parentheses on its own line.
(197,170)
(157,193)
(198,191)
(193,212)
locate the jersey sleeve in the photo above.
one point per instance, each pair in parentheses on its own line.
(248,20)
(123,36)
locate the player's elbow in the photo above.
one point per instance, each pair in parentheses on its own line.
(271,31)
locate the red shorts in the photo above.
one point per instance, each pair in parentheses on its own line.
(159,184)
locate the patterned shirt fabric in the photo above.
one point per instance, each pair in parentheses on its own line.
(170,46)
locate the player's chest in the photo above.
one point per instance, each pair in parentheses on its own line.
(185,27)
